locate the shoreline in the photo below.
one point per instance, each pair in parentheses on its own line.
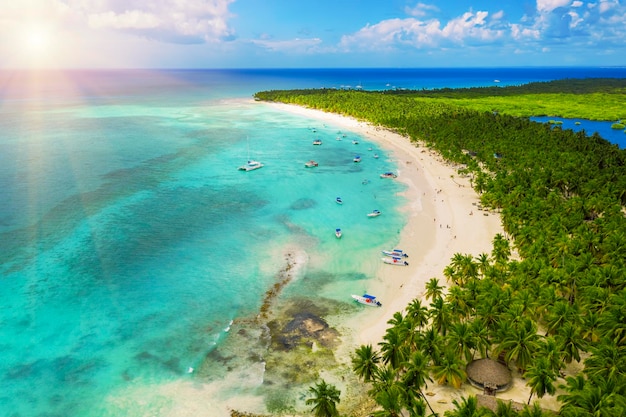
(442,220)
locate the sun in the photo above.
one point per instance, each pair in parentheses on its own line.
(37,40)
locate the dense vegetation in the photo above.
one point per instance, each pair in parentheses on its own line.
(592,99)
(561,196)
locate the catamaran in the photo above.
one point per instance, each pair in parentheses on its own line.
(251,164)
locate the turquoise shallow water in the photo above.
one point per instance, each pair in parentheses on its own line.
(129,241)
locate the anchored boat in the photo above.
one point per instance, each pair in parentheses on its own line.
(368,300)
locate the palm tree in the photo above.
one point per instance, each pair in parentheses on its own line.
(457,300)
(365,362)
(417,313)
(449,370)
(467,407)
(441,315)
(533,411)
(461,340)
(607,362)
(483,263)
(549,349)
(392,347)
(570,342)
(324,399)
(520,344)
(480,337)
(431,344)
(504,409)
(416,374)
(501,250)
(541,377)
(433,289)
(391,400)
(600,398)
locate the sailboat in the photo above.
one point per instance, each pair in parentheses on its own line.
(251,164)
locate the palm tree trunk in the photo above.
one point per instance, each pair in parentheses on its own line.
(531,395)
(427,403)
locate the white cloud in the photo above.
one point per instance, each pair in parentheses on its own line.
(133,19)
(469,28)
(498,15)
(420,10)
(607,5)
(296,45)
(549,5)
(176,21)
(521,33)
(577,3)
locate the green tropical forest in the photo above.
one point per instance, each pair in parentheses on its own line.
(560,301)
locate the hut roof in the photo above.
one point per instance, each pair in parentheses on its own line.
(489,373)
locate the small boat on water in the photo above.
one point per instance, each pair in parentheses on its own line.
(355,142)
(376,155)
(395,261)
(388,175)
(398,253)
(311,164)
(338,233)
(251,165)
(368,300)
(357,158)
(317,142)
(374,213)
(338,200)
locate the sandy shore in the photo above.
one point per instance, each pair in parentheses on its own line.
(443,220)
(443,217)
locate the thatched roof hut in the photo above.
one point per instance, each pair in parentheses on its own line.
(489,375)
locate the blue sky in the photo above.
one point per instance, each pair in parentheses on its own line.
(310,33)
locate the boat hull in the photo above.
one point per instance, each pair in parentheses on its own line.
(396,253)
(395,261)
(367,301)
(251,166)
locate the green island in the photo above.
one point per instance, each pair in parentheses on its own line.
(549,301)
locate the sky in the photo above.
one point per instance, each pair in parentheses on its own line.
(311,33)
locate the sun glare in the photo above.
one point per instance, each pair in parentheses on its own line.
(37,40)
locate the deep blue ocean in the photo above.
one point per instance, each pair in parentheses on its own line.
(130,242)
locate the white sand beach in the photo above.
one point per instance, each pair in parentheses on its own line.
(444,219)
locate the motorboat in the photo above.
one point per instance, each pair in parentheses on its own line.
(394,260)
(368,300)
(338,200)
(311,164)
(376,155)
(397,253)
(338,233)
(355,142)
(374,213)
(388,175)
(317,142)
(357,158)
(251,165)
